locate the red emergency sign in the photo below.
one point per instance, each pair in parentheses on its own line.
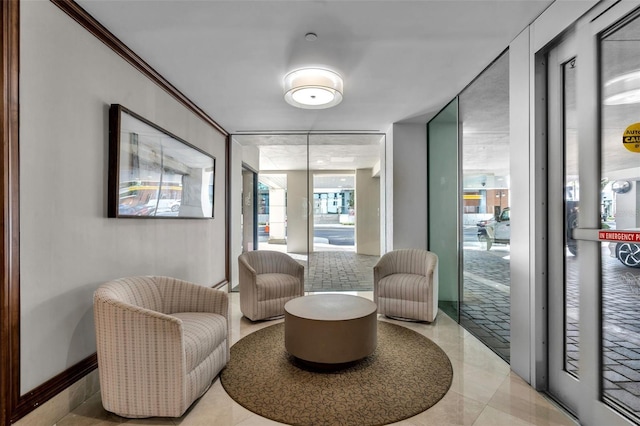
(619,236)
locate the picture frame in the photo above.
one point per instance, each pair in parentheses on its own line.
(155,174)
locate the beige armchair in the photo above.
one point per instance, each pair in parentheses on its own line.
(405,285)
(160,341)
(268,280)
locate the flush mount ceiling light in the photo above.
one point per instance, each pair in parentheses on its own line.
(313,88)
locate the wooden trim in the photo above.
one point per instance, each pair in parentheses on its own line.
(114,160)
(10,218)
(220,285)
(227,233)
(38,396)
(13,406)
(81,16)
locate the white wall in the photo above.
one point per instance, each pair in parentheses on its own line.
(367,213)
(68,246)
(235,201)
(299,221)
(409,186)
(520,250)
(250,156)
(386,193)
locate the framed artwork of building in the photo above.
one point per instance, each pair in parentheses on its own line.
(154,174)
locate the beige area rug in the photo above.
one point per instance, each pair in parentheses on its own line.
(407,374)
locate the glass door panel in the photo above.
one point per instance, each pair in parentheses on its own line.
(284,191)
(443,206)
(319,200)
(594,285)
(249,212)
(344,225)
(620,210)
(570,220)
(563,195)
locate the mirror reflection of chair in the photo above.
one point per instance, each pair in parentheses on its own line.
(405,285)
(160,342)
(268,279)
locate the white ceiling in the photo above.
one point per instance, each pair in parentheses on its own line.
(402,61)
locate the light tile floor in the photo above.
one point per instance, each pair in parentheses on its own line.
(483,392)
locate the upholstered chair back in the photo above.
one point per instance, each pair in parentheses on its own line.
(270,262)
(405,284)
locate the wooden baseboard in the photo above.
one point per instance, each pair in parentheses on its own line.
(43,393)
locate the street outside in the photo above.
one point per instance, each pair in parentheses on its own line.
(334,234)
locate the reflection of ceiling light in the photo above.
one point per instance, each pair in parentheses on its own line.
(623,90)
(313,88)
(620,186)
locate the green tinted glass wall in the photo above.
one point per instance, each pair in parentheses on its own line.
(443,216)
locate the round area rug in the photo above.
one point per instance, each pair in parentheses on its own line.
(406,374)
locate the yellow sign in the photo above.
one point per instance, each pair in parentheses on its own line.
(631,138)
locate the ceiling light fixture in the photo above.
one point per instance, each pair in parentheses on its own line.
(313,88)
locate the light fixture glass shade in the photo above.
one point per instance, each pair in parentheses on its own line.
(313,88)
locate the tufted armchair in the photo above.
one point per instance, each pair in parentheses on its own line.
(161,342)
(268,280)
(405,284)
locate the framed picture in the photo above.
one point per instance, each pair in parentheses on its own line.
(154,174)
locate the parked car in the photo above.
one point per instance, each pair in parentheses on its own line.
(495,230)
(627,253)
(498,230)
(165,204)
(136,210)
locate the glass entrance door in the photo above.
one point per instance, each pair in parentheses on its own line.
(563,195)
(619,209)
(344,231)
(319,200)
(593,198)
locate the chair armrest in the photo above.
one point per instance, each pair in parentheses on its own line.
(247,274)
(431,266)
(184,296)
(293,267)
(385,266)
(243,264)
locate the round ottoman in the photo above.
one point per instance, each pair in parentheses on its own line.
(330,328)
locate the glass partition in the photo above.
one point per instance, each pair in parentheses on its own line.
(442,203)
(248,211)
(486,214)
(319,200)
